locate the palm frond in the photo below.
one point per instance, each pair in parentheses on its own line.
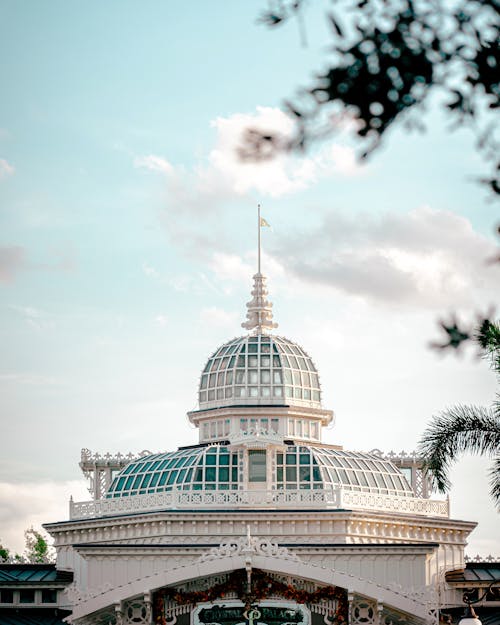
(458,430)
(494,474)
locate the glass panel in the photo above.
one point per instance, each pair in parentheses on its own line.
(294,362)
(49,595)
(315,395)
(265,361)
(229,377)
(276,361)
(297,393)
(252,376)
(253,361)
(220,393)
(253,348)
(296,378)
(163,479)
(291,474)
(265,349)
(27,596)
(253,391)
(277,377)
(231,362)
(278,391)
(256,465)
(204,381)
(240,377)
(210,474)
(288,376)
(289,391)
(211,395)
(223,474)
(220,379)
(275,425)
(265,391)
(265,376)
(241,361)
(229,392)
(210,458)
(305,474)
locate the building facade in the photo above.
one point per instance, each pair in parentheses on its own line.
(259,521)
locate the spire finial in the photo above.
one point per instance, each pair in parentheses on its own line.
(259,314)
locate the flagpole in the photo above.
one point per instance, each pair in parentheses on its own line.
(258,231)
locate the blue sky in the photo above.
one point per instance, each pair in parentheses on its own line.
(127,243)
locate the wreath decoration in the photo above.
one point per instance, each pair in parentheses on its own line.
(263,585)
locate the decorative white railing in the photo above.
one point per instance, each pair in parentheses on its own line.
(337,498)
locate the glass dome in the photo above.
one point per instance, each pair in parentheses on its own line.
(259,370)
(216,467)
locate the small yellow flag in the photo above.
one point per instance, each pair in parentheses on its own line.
(263,223)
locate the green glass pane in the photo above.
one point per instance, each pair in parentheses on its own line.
(223,474)
(224,459)
(163,479)
(210,474)
(155,479)
(305,474)
(210,459)
(172,477)
(305,458)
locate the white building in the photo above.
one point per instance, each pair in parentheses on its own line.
(260,521)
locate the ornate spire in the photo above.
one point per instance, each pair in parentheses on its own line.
(260,313)
(260,309)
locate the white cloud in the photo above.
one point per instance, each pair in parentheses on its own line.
(150,270)
(6,169)
(218,317)
(161,320)
(153,163)
(230,267)
(33,503)
(222,174)
(33,316)
(426,257)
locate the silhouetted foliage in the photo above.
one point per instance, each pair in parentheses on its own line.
(462,429)
(387,56)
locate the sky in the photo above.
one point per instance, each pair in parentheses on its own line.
(128,244)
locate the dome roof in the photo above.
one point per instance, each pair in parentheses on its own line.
(259,370)
(215,467)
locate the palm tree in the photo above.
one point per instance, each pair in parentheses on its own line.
(462,429)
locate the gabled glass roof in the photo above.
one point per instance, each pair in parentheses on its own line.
(300,467)
(257,370)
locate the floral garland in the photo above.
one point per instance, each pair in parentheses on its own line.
(263,585)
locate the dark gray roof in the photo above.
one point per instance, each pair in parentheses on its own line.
(475,572)
(32,574)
